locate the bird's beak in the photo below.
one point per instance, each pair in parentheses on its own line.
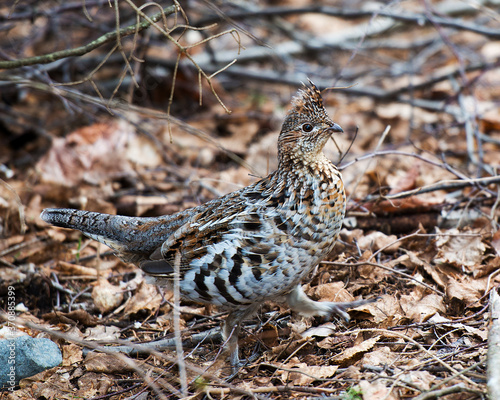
(336,128)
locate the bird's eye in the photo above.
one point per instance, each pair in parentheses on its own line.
(307,127)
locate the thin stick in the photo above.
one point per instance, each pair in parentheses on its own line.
(358,264)
(81,50)
(177,325)
(494,347)
(380,141)
(442,185)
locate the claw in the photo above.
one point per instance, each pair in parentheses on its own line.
(298,301)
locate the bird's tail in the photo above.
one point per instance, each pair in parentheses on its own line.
(133,238)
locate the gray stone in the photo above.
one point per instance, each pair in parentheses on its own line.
(25,356)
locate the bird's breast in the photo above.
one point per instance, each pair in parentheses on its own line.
(316,209)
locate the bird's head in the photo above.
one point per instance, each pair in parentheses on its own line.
(306,128)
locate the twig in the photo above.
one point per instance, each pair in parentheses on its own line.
(437,394)
(20,246)
(407,154)
(442,185)
(117,106)
(361,263)
(275,389)
(131,363)
(452,377)
(434,324)
(177,325)
(78,51)
(494,347)
(118,392)
(414,342)
(415,18)
(20,207)
(35,12)
(360,175)
(183,50)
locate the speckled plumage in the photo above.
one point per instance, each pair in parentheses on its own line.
(252,245)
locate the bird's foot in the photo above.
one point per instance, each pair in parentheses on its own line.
(302,304)
(340,309)
(237,365)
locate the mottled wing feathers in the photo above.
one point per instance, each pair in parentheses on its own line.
(227,227)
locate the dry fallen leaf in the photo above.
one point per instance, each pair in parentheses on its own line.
(381,356)
(460,249)
(106,363)
(495,242)
(80,316)
(72,354)
(102,332)
(467,290)
(355,351)
(48,384)
(106,296)
(306,374)
(423,309)
(376,390)
(323,330)
(333,291)
(91,153)
(385,312)
(423,379)
(376,240)
(145,298)
(92,385)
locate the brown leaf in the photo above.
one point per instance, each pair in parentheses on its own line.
(355,351)
(407,182)
(72,317)
(495,242)
(93,385)
(380,356)
(377,240)
(94,153)
(423,379)
(423,309)
(309,374)
(333,291)
(47,384)
(102,332)
(106,296)
(323,330)
(385,312)
(145,298)
(460,249)
(377,390)
(106,363)
(467,290)
(491,265)
(72,354)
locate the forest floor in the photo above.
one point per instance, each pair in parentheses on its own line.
(417,93)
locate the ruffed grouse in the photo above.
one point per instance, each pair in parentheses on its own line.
(249,246)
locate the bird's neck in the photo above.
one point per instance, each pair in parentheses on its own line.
(306,165)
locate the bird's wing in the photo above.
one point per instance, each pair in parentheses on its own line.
(245,227)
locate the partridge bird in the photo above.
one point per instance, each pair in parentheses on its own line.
(251,245)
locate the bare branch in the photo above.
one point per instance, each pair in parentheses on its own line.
(78,51)
(420,19)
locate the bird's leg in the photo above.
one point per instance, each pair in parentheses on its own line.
(301,303)
(230,333)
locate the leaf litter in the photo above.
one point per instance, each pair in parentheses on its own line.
(430,259)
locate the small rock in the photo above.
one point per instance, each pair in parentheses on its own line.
(25,356)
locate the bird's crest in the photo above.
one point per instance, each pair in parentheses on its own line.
(307,105)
